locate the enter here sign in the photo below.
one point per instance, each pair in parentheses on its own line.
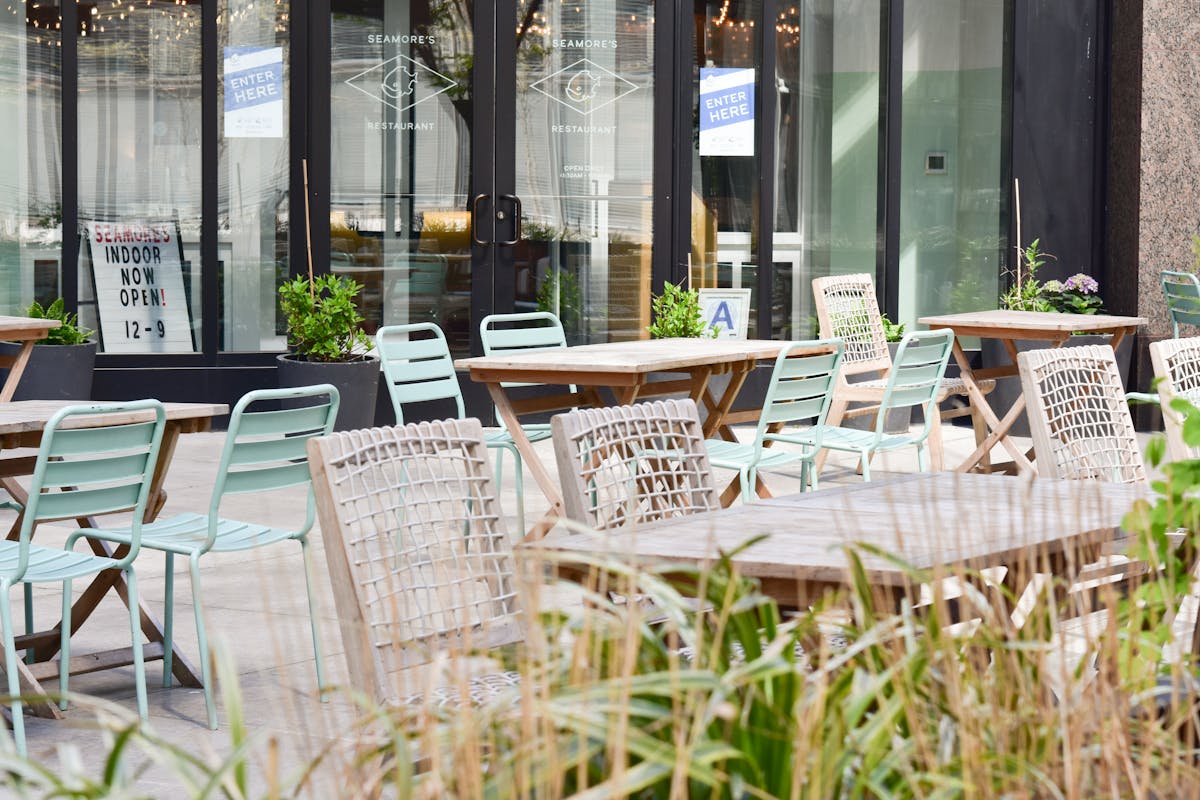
(726,112)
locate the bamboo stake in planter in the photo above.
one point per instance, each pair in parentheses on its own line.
(308,231)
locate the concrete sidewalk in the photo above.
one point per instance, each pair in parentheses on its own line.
(257,612)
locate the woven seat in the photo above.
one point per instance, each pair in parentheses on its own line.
(418,556)
(847,309)
(481,690)
(1177,368)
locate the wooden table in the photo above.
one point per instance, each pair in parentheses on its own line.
(931,521)
(624,368)
(21,426)
(27,331)
(1010,327)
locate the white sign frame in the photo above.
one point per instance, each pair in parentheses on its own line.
(737,301)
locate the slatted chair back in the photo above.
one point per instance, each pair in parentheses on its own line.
(1081,425)
(801,389)
(847,309)
(416,547)
(1177,367)
(417,366)
(265,445)
(87,471)
(527,332)
(625,465)
(1182,291)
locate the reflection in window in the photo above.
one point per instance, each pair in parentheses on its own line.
(30,163)
(139,175)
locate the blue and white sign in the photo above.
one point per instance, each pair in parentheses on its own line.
(726,311)
(726,112)
(253,92)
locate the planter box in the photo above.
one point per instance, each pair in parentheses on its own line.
(54,371)
(357,383)
(1001,399)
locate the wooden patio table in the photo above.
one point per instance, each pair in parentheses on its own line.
(27,331)
(625,369)
(21,426)
(930,521)
(1010,327)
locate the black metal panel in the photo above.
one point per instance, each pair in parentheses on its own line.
(767,113)
(672,143)
(315,148)
(483,110)
(891,86)
(70,153)
(1057,143)
(210,340)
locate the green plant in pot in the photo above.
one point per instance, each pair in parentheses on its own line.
(329,345)
(677,315)
(60,366)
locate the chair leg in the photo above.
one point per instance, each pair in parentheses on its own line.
(205,661)
(312,615)
(64,646)
(519,487)
(921,465)
(980,427)
(936,454)
(135,630)
(27,589)
(865,460)
(10,660)
(747,476)
(169,622)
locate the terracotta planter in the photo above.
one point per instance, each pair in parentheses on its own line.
(55,371)
(993,354)
(357,382)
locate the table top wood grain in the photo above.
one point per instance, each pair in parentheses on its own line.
(641,356)
(14,329)
(997,323)
(31,416)
(930,520)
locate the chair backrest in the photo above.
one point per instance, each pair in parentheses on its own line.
(417,289)
(265,444)
(801,388)
(625,465)
(1182,291)
(417,366)
(416,546)
(1081,425)
(84,468)
(1177,367)
(916,377)
(527,332)
(848,310)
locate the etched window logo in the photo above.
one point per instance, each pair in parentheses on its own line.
(401,82)
(584,86)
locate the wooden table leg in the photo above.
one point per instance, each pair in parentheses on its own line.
(15,371)
(714,423)
(999,428)
(549,487)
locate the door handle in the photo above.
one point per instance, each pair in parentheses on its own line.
(516,218)
(475,218)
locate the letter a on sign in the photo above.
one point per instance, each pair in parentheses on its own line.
(723,317)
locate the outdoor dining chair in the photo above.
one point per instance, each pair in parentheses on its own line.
(82,472)
(847,309)
(1177,367)
(1182,292)
(418,555)
(625,465)
(263,453)
(800,390)
(418,368)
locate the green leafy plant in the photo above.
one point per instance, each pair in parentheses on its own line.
(323,323)
(1078,294)
(559,294)
(69,332)
(677,314)
(892,331)
(1025,294)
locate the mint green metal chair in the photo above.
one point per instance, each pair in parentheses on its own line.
(81,472)
(419,370)
(1182,290)
(801,389)
(264,451)
(914,380)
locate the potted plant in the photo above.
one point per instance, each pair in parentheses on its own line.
(60,366)
(677,315)
(329,345)
(1078,294)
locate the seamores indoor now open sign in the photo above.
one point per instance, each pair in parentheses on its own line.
(137,268)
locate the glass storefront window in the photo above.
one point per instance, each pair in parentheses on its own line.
(253,221)
(827,174)
(952,212)
(725,162)
(30,155)
(139,175)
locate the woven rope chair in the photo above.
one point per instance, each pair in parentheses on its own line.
(418,555)
(848,310)
(1082,428)
(1182,293)
(1177,366)
(626,465)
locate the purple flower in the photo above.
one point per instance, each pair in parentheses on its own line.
(1084,284)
